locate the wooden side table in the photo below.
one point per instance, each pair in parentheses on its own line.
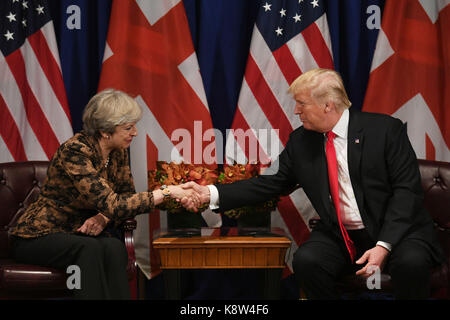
(216,249)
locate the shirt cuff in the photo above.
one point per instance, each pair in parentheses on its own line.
(213,197)
(385,245)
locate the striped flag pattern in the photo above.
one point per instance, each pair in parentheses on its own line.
(149,54)
(289,38)
(34,112)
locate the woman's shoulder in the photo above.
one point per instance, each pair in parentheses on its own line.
(80,142)
(76,150)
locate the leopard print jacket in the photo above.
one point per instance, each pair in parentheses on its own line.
(78,186)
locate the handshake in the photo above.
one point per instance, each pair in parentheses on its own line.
(190,195)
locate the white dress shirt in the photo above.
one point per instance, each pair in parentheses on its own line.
(350,216)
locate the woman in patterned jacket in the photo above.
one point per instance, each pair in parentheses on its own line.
(88,186)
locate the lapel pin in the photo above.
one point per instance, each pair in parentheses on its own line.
(356,140)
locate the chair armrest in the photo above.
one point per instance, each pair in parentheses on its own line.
(128,227)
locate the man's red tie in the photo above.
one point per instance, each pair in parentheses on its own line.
(334,189)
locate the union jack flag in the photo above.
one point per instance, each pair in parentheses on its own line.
(150,55)
(410,76)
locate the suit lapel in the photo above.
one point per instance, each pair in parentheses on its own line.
(354,151)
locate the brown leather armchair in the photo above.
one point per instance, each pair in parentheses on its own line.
(20,183)
(435,178)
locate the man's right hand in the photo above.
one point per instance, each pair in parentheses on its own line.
(202,191)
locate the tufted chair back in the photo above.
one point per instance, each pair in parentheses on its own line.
(436,187)
(20,183)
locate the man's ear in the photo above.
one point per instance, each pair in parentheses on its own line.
(329,106)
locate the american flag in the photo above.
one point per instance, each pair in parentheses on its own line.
(411,68)
(34,112)
(289,37)
(150,55)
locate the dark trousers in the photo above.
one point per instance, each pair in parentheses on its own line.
(323,259)
(102,261)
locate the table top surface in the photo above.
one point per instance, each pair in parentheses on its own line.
(221,235)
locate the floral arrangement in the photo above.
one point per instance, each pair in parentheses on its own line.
(178,173)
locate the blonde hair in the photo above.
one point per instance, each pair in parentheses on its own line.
(324,85)
(107,110)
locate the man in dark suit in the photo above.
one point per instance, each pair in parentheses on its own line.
(373,181)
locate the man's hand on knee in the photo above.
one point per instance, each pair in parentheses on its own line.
(375,258)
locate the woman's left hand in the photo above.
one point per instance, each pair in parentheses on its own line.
(94,225)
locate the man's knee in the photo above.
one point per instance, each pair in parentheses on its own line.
(410,262)
(304,261)
(410,268)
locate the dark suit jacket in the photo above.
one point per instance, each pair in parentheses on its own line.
(383,170)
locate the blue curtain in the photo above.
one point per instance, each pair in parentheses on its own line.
(81,47)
